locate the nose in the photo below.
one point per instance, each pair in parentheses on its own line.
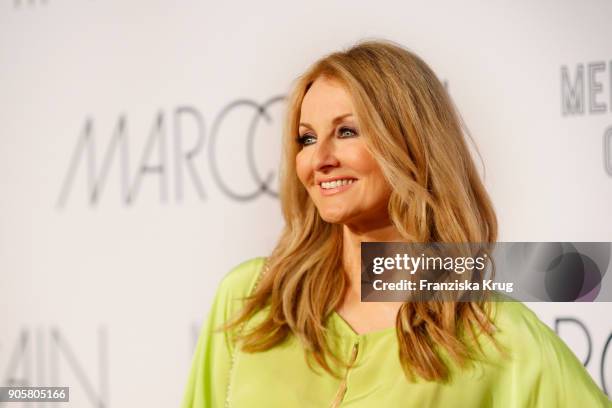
(324,158)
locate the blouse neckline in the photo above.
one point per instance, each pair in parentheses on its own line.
(346,330)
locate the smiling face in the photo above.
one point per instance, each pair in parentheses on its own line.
(334,165)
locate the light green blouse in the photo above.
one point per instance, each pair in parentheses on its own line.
(540,370)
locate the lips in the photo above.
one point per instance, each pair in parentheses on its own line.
(319,180)
(336,185)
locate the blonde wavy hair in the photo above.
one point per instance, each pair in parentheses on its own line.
(416,135)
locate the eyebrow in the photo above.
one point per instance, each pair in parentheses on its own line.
(335,121)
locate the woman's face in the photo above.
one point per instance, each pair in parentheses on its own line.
(339,173)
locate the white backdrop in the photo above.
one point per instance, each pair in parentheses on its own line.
(125,150)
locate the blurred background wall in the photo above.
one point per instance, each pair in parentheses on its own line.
(139,145)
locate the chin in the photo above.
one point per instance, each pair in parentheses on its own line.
(334,217)
(332,220)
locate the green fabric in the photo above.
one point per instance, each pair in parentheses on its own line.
(540,370)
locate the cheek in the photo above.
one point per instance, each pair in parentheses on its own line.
(302,167)
(383,187)
(364,162)
(367,166)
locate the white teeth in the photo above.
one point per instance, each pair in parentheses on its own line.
(336,183)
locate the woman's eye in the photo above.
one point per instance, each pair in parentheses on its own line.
(347,132)
(305,140)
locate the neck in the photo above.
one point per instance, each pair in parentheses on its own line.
(353,236)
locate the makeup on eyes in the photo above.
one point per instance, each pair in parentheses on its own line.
(301,138)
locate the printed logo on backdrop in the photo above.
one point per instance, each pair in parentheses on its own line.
(240,155)
(583,93)
(44,357)
(582,333)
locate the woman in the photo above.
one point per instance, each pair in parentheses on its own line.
(373,151)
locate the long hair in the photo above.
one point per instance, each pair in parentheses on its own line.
(415,134)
